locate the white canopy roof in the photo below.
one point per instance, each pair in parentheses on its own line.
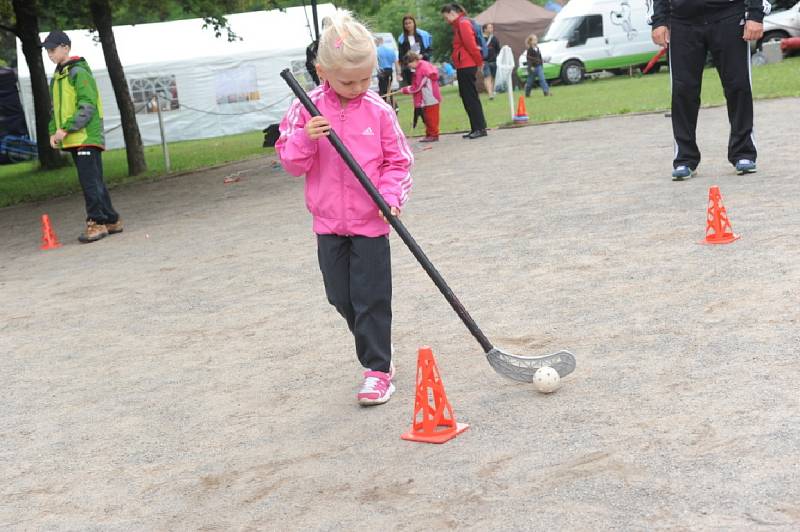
(187,40)
(208,86)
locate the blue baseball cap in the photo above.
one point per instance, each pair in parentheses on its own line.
(55,39)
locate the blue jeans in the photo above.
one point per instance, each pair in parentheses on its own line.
(538,70)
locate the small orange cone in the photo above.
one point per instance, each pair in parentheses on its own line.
(49,238)
(522,113)
(432,423)
(718,226)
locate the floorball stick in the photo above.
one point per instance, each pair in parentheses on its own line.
(516,367)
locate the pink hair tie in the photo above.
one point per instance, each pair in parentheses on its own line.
(338,43)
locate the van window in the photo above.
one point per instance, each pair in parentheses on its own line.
(561,29)
(576,29)
(594,26)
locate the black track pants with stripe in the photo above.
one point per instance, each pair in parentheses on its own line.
(357,273)
(688,47)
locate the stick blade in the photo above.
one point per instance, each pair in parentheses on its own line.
(521,368)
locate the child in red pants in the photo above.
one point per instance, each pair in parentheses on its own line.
(426,93)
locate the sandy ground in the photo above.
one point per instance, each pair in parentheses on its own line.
(189,374)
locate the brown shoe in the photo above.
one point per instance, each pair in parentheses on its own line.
(93,233)
(115,228)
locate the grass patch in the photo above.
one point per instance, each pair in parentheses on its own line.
(609,96)
(593,98)
(25,182)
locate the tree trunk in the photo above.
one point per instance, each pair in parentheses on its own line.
(28,33)
(101,15)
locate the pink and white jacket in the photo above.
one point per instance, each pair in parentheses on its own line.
(426,85)
(368,128)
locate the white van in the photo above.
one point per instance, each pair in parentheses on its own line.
(592,35)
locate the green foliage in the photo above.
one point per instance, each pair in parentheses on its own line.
(8,48)
(6,13)
(389,18)
(8,45)
(65,15)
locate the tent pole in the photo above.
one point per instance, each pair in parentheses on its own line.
(314,15)
(510,91)
(164,149)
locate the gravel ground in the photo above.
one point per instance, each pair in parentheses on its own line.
(189,374)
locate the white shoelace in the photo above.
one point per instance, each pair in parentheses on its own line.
(371,384)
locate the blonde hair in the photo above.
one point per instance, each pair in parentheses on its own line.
(532,39)
(411,57)
(345,43)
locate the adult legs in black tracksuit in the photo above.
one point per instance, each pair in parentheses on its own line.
(688,47)
(357,273)
(468,90)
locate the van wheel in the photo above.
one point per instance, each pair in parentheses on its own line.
(572,72)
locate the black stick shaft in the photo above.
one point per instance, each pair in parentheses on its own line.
(314,16)
(426,264)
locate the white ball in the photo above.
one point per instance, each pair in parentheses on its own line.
(546,380)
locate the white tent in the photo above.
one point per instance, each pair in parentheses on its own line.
(207,86)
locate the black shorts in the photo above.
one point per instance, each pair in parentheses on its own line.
(489,69)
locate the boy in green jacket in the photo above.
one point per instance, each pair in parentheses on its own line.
(76,126)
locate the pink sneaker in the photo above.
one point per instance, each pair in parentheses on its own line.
(376,389)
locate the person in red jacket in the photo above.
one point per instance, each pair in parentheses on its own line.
(467,59)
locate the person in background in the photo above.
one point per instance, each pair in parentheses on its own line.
(76,126)
(490,66)
(415,40)
(467,59)
(535,68)
(448,74)
(427,95)
(692,29)
(311,53)
(387,57)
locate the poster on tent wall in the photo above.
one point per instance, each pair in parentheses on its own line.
(230,87)
(232,95)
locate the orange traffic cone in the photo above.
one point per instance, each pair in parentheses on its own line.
(432,423)
(718,226)
(522,113)
(49,238)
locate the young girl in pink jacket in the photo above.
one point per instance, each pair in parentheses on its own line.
(426,93)
(352,235)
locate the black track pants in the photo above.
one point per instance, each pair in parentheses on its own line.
(468,90)
(688,47)
(357,273)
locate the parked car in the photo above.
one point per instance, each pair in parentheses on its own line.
(782,22)
(593,35)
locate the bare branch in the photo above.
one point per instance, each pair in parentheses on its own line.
(9,29)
